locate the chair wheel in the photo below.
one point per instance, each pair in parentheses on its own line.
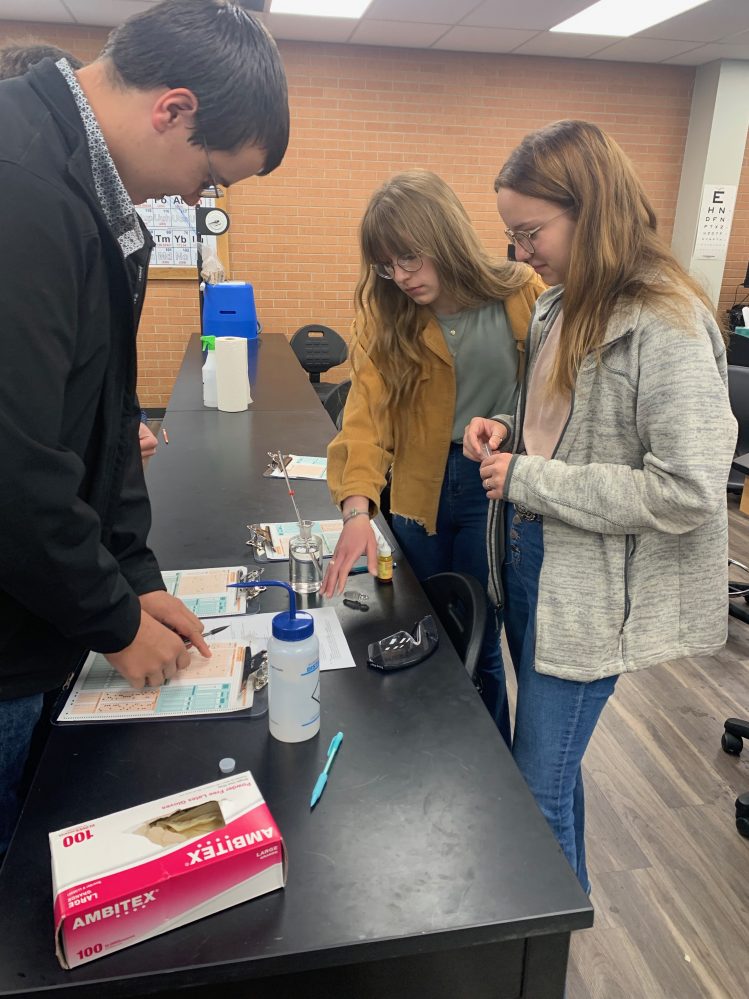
(742,806)
(732,744)
(743,827)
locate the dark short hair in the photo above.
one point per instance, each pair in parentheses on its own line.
(225,56)
(17,58)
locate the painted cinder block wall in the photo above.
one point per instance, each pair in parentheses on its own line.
(360,114)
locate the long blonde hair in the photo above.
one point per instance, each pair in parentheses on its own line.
(616,251)
(418,212)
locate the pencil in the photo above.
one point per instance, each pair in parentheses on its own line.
(165,435)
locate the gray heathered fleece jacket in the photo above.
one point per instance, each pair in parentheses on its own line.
(633,500)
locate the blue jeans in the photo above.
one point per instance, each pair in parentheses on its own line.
(18,718)
(554,718)
(460,546)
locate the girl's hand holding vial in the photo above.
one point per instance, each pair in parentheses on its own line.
(480,433)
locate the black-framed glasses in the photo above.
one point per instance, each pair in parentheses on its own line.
(211,189)
(524,238)
(409,262)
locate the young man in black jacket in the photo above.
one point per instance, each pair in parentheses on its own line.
(187,94)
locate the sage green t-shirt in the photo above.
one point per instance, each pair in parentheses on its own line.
(486,362)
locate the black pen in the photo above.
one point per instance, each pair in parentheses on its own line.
(215,631)
(207,634)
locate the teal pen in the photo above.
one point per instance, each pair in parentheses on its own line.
(322,780)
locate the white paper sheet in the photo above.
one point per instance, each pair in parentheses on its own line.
(255,630)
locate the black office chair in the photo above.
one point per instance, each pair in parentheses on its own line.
(335,402)
(460,603)
(736,729)
(738,393)
(317,349)
(738,348)
(738,592)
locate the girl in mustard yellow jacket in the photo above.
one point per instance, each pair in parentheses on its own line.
(440,331)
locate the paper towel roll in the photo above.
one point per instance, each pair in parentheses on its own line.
(232,383)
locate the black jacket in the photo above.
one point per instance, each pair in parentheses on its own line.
(74,511)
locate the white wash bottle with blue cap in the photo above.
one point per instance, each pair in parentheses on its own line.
(293,670)
(293,673)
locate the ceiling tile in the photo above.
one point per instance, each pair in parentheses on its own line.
(707,23)
(429,11)
(40,10)
(401,33)
(639,49)
(563,46)
(106,13)
(298,27)
(482,39)
(531,14)
(718,29)
(709,53)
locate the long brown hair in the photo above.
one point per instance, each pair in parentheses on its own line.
(616,250)
(418,212)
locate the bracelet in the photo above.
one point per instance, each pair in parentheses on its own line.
(354,513)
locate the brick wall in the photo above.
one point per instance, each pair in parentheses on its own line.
(360,114)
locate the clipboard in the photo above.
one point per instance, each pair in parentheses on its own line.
(83,695)
(204,591)
(298,466)
(250,630)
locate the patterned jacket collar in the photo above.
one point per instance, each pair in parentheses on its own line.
(115,202)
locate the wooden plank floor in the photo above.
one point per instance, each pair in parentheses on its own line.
(670,872)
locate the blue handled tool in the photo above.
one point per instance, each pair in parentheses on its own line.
(322,780)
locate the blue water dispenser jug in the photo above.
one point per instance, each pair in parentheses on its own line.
(229,310)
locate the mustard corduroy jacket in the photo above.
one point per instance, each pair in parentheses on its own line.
(361,454)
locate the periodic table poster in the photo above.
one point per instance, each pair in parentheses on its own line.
(171,222)
(716,217)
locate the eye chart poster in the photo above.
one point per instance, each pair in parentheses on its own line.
(716,217)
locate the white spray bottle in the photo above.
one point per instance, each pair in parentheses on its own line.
(210,394)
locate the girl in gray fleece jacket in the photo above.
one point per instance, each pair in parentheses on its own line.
(608,537)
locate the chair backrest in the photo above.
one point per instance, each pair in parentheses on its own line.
(460,603)
(335,402)
(738,393)
(318,348)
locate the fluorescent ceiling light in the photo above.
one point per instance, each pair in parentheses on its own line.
(614,17)
(320,8)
